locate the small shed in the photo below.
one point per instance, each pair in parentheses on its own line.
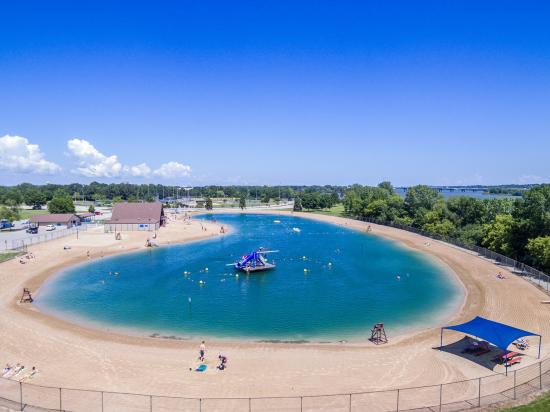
(136,216)
(57,219)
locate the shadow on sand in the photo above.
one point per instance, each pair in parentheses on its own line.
(487,360)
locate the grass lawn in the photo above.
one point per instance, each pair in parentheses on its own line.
(336,210)
(4,256)
(539,405)
(27,213)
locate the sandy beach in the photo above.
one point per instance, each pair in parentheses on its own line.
(73,356)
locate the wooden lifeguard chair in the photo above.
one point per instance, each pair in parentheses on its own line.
(378,334)
(26,297)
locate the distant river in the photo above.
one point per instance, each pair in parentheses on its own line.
(447,193)
(330,283)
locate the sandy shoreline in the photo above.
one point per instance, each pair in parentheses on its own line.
(74,356)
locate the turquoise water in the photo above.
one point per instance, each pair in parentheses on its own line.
(350,284)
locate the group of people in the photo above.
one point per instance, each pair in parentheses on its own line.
(18,372)
(27,256)
(222,359)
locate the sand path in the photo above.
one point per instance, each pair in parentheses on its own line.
(72,356)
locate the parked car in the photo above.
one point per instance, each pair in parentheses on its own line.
(49,228)
(5,224)
(37,207)
(32,229)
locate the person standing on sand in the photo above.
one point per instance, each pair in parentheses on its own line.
(202,351)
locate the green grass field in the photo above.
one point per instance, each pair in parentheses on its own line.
(336,210)
(27,213)
(5,256)
(541,404)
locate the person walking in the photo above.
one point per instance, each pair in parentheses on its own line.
(202,351)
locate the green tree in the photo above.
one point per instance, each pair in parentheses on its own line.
(297,204)
(498,234)
(377,210)
(242,202)
(34,197)
(208,204)
(539,251)
(471,234)
(61,204)
(387,186)
(9,213)
(442,228)
(467,209)
(91,209)
(419,200)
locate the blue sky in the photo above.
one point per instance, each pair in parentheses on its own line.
(275,92)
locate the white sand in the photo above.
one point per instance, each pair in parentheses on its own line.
(73,356)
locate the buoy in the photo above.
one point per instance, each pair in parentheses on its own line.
(305,270)
(237,275)
(330,264)
(206,269)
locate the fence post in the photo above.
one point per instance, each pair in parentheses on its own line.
(515,384)
(101,401)
(249,404)
(150,400)
(540,375)
(20,396)
(200,404)
(350,402)
(60,401)
(301,403)
(440,397)
(398,400)
(479,394)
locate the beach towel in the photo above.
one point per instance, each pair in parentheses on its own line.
(201,368)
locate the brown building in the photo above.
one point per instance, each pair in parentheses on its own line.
(57,219)
(135,216)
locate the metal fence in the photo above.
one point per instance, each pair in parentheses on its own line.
(521,269)
(473,393)
(453,396)
(23,243)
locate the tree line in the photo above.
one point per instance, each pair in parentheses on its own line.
(518,228)
(41,194)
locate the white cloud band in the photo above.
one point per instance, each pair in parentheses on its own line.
(19,156)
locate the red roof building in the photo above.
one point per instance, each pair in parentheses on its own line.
(136,216)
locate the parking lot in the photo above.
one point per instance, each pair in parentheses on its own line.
(18,238)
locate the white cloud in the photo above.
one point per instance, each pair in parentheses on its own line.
(93,163)
(18,155)
(140,170)
(172,170)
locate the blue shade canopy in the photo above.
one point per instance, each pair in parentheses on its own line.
(498,334)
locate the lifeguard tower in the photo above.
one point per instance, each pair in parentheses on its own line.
(26,297)
(378,334)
